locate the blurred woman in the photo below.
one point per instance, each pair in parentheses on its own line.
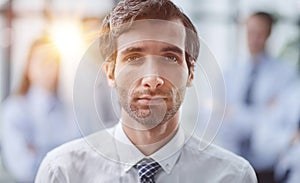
(34,118)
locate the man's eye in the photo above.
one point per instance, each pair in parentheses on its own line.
(171,58)
(132,58)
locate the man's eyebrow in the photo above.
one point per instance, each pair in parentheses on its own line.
(172,49)
(132,49)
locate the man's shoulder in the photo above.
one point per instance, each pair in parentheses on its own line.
(74,159)
(210,154)
(80,148)
(204,147)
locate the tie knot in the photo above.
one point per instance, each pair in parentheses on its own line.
(147,168)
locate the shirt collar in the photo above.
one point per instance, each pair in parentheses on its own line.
(165,156)
(262,58)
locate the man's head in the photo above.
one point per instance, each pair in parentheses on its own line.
(259,27)
(150,48)
(128,11)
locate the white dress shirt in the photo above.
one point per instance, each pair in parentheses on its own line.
(109,156)
(32,125)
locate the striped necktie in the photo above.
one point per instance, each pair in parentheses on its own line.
(147,168)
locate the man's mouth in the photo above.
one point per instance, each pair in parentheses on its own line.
(151,100)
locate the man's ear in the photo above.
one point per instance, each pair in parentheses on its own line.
(190,79)
(191,76)
(109,68)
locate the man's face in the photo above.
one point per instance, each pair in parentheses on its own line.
(151,72)
(258,32)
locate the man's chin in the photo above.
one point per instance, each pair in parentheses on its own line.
(146,119)
(149,119)
(142,113)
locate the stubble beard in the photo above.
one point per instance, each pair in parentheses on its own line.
(153,115)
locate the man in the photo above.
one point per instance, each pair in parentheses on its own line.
(150,48)
(253,90)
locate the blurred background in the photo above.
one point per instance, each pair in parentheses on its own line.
(73,26)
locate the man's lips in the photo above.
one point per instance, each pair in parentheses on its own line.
(151,100)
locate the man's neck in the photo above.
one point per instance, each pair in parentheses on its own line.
(257,56)
(150,140)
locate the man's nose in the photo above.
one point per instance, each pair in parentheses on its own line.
(152,82)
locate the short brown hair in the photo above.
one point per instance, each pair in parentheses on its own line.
(128,11)
(266,17)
